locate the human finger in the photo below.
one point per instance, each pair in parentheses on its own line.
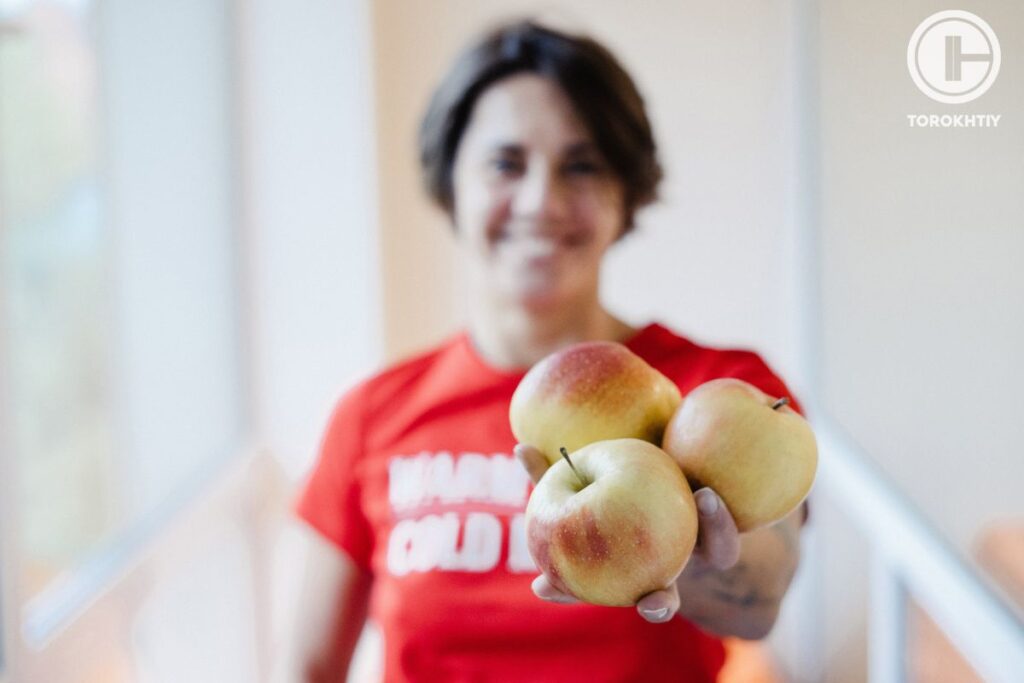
(659,606)
(543,589)
(533,460)
(718,541)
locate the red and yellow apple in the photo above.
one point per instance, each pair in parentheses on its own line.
(617,524)
(757,453)
(591,392)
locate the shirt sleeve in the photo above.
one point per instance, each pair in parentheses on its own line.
(331,500)
(750,367)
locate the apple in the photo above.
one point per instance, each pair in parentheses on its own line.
(590,392)
(757,453)
(612,522)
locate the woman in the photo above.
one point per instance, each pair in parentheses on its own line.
(538,147)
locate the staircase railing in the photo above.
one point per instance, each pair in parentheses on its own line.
(912,561)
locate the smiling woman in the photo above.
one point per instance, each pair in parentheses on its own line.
(602,100)
(545,142)
(538,205)
(538,147)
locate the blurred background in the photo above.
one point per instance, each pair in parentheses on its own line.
(211,224)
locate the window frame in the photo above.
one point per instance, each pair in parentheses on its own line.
(67,623)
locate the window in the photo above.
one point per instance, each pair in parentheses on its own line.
(122,373)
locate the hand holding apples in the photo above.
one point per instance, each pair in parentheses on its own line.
(717,547)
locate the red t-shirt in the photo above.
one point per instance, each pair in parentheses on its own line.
(416,482)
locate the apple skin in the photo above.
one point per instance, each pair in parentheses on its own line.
(628,532)
(760,461)
(590,392)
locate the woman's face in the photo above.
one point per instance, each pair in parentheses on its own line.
(536,205)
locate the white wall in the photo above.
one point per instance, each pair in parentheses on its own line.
(310,208)
(310,213)
(922,287)
(169,205)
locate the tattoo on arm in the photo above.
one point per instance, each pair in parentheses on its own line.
(735,587)
(745,585)
(750,598)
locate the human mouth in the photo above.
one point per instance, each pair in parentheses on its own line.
(543,240)
(532,251)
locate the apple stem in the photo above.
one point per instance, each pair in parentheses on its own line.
(781,402)
(565,454)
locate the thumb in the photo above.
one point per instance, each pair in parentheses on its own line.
(660,606)
(535,462)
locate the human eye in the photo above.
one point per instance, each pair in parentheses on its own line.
(506,164)
(583,167)
(583,163)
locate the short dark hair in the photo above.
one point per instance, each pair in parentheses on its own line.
(602,93)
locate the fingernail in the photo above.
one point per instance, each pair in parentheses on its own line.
(708,503)
(656,613)
(554,598)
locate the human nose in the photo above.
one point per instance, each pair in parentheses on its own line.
(539,194)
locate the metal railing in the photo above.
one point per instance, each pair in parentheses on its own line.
(910,560)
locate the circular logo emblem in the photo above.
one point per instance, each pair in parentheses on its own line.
(953,56)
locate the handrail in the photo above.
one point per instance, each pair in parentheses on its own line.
(912,556)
